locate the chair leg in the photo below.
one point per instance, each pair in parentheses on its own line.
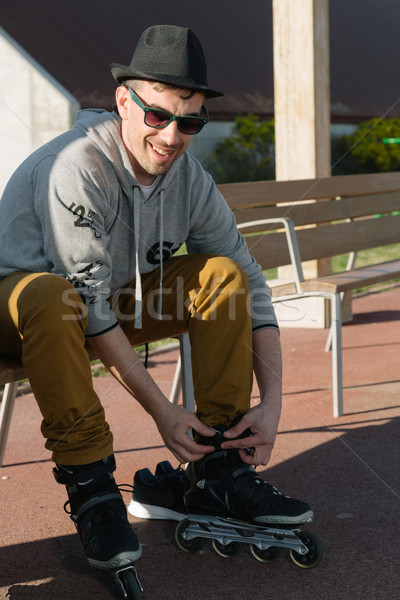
(187,378)
(7,405)
(337,368)
(177,383)
(351,263)
(328,345)
(336,337)
(183,379)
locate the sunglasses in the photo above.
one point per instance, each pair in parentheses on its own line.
(157,118)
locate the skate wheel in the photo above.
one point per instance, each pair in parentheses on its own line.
(226,550)
(314,554)
(187,545)
(130,585)
(266,556)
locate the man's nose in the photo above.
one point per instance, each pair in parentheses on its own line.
(170,134)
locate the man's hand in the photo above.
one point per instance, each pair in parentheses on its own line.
(255,449)
(174,424)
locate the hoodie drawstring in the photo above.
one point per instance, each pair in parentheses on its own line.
(159,307)
(138,286)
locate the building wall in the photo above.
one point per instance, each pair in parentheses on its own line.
(202,146)
(34,107)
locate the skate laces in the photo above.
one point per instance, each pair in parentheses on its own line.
(106,516)
(179,473)
(250,492)
(102,498)
(126,487)
(236,484)
(105,531)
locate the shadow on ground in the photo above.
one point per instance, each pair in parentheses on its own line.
(353,483)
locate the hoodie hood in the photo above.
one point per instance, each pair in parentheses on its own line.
(104,130)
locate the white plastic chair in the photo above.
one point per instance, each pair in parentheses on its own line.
(335,335)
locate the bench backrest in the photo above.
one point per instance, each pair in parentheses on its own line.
(344,207)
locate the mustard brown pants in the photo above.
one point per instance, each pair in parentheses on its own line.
(206,295)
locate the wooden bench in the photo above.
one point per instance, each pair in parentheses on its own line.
(280,216)
(345,210)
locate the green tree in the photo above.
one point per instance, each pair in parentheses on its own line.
(247,155)
(364,151)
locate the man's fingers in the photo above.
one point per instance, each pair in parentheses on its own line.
(188,450)
(259,457)
(248,442)
(198,426)
(184,454)
(237,429)
(196,448)
(246,458)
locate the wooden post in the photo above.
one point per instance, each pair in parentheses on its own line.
(302,99)
(302,104)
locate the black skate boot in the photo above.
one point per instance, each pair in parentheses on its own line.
(221,484)
(99,513)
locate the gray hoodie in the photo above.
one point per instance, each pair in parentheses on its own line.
(74,208)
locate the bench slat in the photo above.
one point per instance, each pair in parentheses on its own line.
(253,193)
(330,240)
(11,369)
(345,281)
(361,277)
(270,250)
(322,211)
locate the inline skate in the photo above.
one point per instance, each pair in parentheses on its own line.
(229,503)
(99,514)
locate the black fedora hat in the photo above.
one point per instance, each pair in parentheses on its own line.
(168,54)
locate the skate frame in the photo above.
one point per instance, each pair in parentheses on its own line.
(226,531)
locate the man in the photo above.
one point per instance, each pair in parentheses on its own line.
(89,224)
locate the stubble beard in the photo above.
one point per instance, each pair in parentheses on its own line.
(152,168)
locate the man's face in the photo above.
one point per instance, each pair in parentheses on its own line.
(152,151)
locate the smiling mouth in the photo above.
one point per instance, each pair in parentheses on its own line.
(162,151)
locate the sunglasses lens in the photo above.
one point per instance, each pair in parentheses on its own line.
(161,118)
(190,126)
(157,118)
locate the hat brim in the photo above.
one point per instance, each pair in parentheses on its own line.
(122,72)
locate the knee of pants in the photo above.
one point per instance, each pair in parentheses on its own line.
(224,291)
(51,300)
(227,272)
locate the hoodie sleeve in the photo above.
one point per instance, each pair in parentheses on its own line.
(73,205)
(213,229)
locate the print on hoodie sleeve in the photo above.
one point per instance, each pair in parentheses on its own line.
(84,218)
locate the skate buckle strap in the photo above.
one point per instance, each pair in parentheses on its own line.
(101,498)
(206,484)
(217,439)
(214,455)
(67,476)
(243,469)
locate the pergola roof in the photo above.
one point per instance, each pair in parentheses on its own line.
(75,42)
